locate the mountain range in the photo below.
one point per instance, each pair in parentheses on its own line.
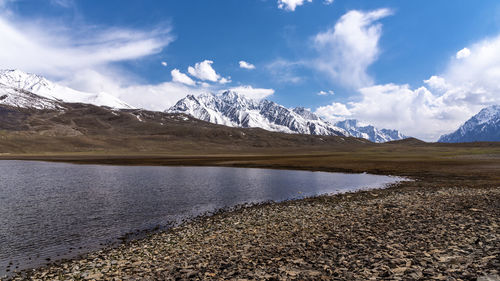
(369,132)
(30,91)
(235,110)
(229,108)
(484,126)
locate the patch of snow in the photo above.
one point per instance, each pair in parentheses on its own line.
(50,90)
(235,110)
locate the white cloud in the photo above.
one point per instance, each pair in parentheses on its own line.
(437,83)
(328,2)
(4,3)
(326,93)
(467,85)
(180,77)
(225,80)
(465,52)
(157,97)
(415,112)
(333,112)
(480,69)
(40,48)
(350,47)
(62,3)
(164,63)
(254,93)
(246,65)
(204,71)
(285,71)
(84,59)
(290,5)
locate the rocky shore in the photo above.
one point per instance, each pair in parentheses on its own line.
(414,231)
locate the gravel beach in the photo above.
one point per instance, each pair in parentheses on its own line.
(422,230)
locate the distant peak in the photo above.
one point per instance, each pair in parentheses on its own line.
(484,126)
(21,75)
(306,113)
(17,72)
(350,122)
(39,85)
(230,94)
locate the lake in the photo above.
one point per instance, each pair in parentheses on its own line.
(56,210)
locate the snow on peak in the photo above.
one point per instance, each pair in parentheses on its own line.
(306,113)
(40,86)
(369,132)
(487,114)
(484,126)
(16,97)
(18,79)
(234,109)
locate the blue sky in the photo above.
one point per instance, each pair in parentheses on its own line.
(368,59)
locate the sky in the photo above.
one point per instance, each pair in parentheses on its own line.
(419,66)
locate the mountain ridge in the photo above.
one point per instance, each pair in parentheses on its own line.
(235,110)
(232,109)
(228,108)
(370,132)
(484,126)
(39,85)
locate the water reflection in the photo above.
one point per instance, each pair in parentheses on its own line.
(50,210)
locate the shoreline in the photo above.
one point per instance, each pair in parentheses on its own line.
(138,259)
(143,233)
(439,181)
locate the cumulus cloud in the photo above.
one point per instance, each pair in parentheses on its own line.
(437,83)
(180,77)
(465,52)
(350,47)
(246,65)
(290,5)
(225,80)
(415,112)
(204,71)
(328,2)
(254,93)
(440,105)
(326,93)
(334,112)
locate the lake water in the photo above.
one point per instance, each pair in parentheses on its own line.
(55,210)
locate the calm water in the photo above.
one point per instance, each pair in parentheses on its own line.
(53,210)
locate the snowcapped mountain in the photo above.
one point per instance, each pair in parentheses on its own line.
(235,110)
(21,98)
(20,89)
(18,81)
(484,126)
(369,132)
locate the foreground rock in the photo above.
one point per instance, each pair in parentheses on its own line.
(417,231)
